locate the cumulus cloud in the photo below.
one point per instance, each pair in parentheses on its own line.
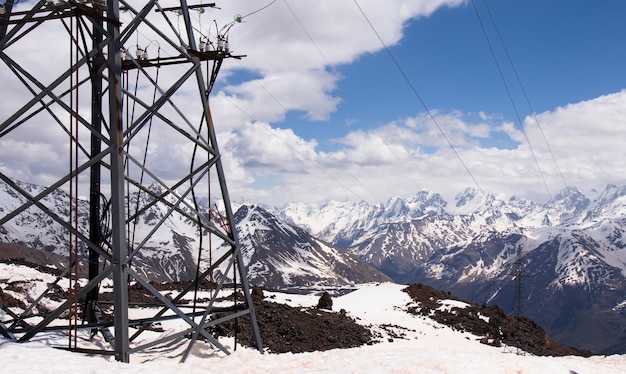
(280,150)
(292,45)
(293,51)
(271,97)
(393,157)
(586,140)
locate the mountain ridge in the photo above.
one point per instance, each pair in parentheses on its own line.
(572,250)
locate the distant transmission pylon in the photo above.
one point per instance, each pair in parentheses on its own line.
(519,282)
(520,275)
(105,79)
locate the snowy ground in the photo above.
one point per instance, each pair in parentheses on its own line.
(427,347)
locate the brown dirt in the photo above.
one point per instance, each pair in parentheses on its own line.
(9,301)
(513,331)
(287,329)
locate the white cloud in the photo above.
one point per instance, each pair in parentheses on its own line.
(274,40)
(269,98)
(512,132)
(284,71)
(278,46)
(374,165)
(264,149)
(587,140)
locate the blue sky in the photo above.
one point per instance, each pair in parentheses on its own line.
(366,118)
(563,51)
(318,110)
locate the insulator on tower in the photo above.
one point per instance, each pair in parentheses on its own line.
(203,46)
(141,54)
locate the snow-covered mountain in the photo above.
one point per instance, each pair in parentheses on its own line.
(573,250)
(168,253)
(282,255)
(277,254)
(342,222)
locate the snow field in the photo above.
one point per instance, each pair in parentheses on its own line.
(425,347)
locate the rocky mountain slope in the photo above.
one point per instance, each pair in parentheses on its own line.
(282,255)
(572,250)
(277,254)
(568,252)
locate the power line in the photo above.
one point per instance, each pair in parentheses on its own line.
(508,91)
(307,33)
(419,98)
(239,18)
(519,81)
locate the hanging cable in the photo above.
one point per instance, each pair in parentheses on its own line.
(508,92)
(222,35)
(419,98)
(130,118)
(519,81)
(145,151)
(200,234)
(210,243)
(73,189)
(209,84)
(240,18)
(402,164)
(194,198)
(71,198)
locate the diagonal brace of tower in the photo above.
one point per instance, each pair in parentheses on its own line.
(109,107)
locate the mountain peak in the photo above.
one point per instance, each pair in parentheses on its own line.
(570,200)
(470,200)
(427,203)
(280,255)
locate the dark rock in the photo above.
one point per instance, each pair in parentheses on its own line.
(287,329)
(325,302)
(499,328)
(257,293)
(9,301)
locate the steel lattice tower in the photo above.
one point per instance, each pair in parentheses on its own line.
(520,274)
(130,70)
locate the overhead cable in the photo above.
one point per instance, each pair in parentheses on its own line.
(377,133)
(419,98)
(508,92)
(519,81)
